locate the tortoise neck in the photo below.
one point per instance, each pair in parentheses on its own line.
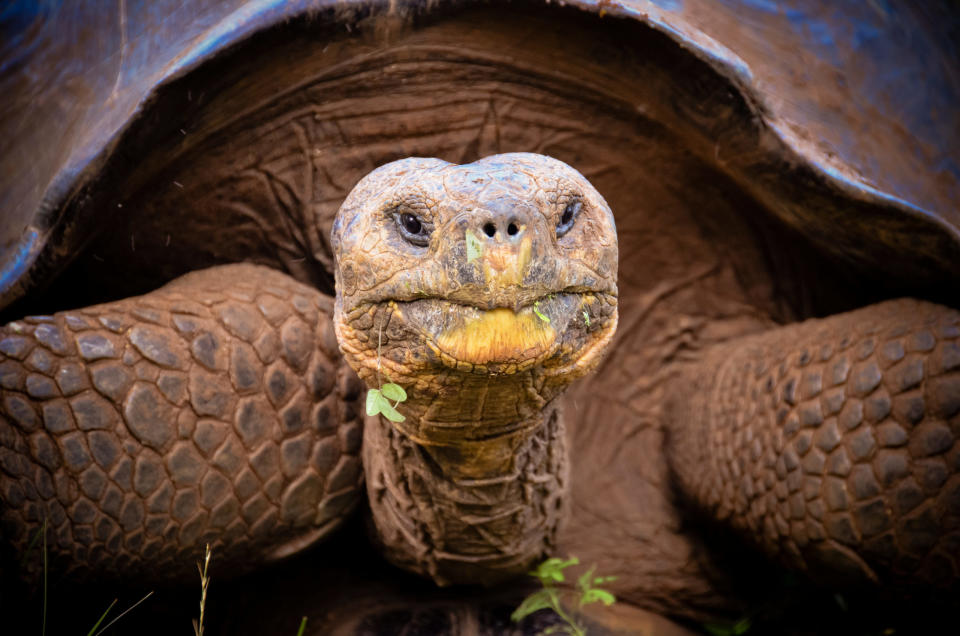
(478,511)
(476,421)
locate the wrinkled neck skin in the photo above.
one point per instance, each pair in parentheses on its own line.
(468,512)
(470,487)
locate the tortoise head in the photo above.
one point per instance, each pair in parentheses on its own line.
(449,275)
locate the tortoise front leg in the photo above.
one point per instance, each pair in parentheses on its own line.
(215,409)
(833,442)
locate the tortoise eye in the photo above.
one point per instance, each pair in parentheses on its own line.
(569,217)
(413,229)
(411,223)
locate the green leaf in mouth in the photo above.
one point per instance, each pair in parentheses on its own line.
(378,404)
(542,316)
(393,392)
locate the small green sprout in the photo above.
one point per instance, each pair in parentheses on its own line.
(474,247)
(549,573)
(586,317)
(542,316)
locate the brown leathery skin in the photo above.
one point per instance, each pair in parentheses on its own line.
(458,529)
(215,409)
(832,443)
(484,323)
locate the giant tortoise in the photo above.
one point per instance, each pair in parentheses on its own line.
(191,325)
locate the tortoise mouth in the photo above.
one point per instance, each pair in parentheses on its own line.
(504,341)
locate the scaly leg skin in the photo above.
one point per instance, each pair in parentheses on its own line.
(215,409)
(834,443)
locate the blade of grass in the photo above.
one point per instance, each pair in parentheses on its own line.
(105,612)
(204,583)
(303,626)
(30,547)
(124,613)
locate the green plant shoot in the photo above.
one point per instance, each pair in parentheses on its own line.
(303,626)
(549,573)
(542,316)
(586,317)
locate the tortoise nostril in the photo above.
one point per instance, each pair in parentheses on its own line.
(512,229)
(489,229)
